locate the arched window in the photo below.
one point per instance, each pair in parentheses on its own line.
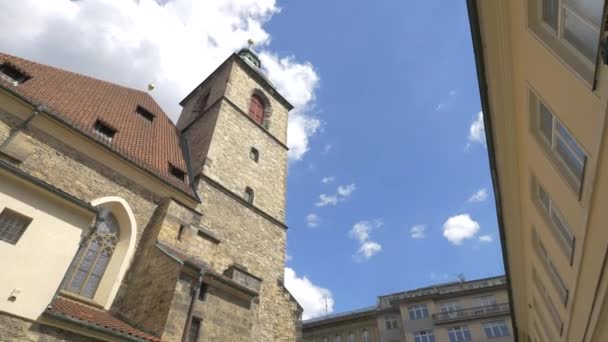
(366,336)
(93,257)
(256,109)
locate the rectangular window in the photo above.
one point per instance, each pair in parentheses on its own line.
(202,293)
(559,143)
(556,279)
(104,132)
(459,334)
(418,311)
(451,309)
(424,336)
(484,301)
(12,225)
(391,321)
(559,226)
(248,196)
(177,172)
(195,328)
(11,74)
(548,302)
(496,329)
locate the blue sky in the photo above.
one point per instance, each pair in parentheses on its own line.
(387,106)
(397,97)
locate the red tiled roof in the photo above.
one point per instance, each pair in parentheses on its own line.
(81,100)
(98,317)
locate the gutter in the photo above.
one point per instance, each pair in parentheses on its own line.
(487,120)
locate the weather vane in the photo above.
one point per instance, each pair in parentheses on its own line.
(151,86)
(250,42)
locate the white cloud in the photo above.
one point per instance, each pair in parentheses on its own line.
(361,232)
(418,231)
(327,180)
(480,196)
(486,238)
(346,190)
(313,298)
(477,131)
(174,44)
(312,220)
(446,102)
(460,227)
(326,200)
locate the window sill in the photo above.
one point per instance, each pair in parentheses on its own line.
(84,300)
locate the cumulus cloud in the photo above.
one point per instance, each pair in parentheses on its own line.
(361,232)
(480,196)
(418,231)
(459,228)
(477,131)
(486,238)
(175,44)
(313,298)
(342,193)
(327,180)
(312,220)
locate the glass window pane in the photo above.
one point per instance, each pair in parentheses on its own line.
(569,140)
(562,228)
(581,35)
(546,122)
(550,12)
(569,159)
(543,197)
(589,9)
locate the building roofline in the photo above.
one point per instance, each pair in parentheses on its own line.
(444,285)
(343,316)
(486,108)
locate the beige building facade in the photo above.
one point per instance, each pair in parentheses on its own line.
(118,225)
(475,310)
(544,87)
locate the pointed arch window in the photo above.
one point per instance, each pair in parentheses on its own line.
(92,259)
(257,108)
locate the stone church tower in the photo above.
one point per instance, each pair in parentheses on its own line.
(156,231)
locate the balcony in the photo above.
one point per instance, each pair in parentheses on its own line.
(471,313)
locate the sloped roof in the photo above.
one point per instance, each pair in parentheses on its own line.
(98,317)
(80,101)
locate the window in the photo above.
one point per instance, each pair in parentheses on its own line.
(554,314)
(202,293)
(87,269)
(11,74)
(459,334)
(177,172)
(556,221)
(451,308)
(424,336)
(561,144)
(391,321)
(12,225)
(418,311)
(496,329)
(366,337)
(338,338)
(144,113)
(248,195)
(351,337)
(542,254)
(195,328)
(180,232)
(256,109)
(325,339)
(254,154)
(104,132)
(576,22)
(485,301)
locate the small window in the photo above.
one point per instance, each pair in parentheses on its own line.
(418,311)
(338,338)
(556,278)
(144,113)
(424,336)
(11,74)
(12,225)
(548,302)
(391,321)
(496,329)
(351,337)
(180,232)
(104,132)
(459,334)
(451,309)
(254,154)
(195,328)
(248,195)
(256,109)
(202,294)
(177,172)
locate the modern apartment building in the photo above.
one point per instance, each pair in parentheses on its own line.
(475,310)
(544,88)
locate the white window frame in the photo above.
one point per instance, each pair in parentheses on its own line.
(496,329)
(424,336)
(451,308)
(483,301)
(418,311)
(459,333)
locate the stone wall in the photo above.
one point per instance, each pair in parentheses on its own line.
(16,329)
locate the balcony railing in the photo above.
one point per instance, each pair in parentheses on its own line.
(471,313)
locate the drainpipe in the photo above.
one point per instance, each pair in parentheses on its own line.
(194,293)
(37,110)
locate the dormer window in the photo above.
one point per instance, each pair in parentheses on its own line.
(11,74)
(256,109)
(144,113)
(104,132)
(177,172)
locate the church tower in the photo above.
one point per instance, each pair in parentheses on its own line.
(234,125)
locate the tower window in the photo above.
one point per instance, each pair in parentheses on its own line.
(144,113)
(177,172)
(180,232)
(256,109)
(202,294)
(103,131)
(195,327)
(12,225)
(12,74)
(248,195)
(254,154)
